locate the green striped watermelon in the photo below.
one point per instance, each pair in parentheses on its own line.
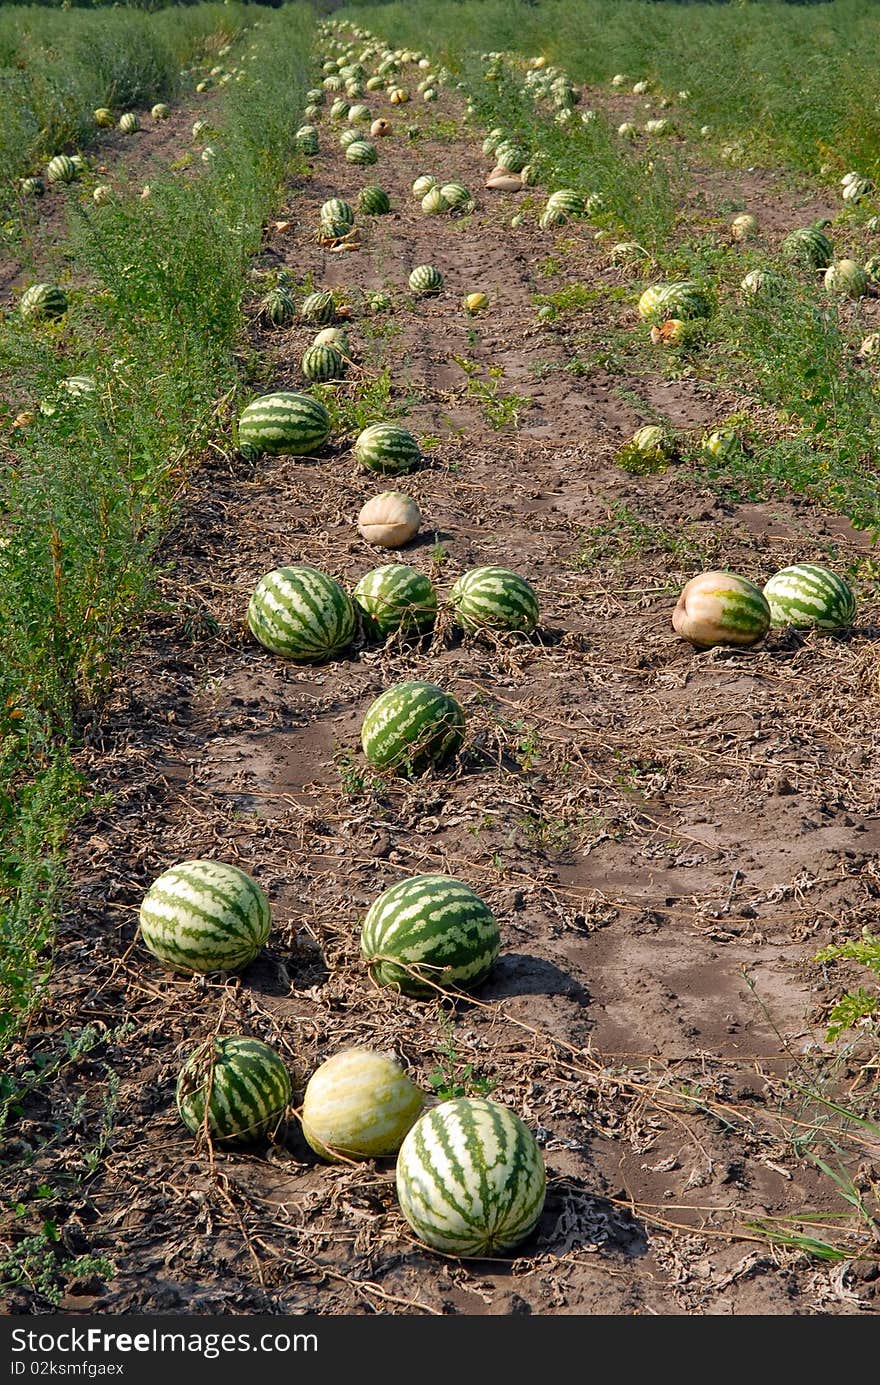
(43,300)
(806,595)
(552,217)
(434,203)
(32,187)
(359,114)
(566,200)
(302,614)
(306,139)
(393,598)
(470,1178)
(202,916)
(429,932)
(336,211)
(283,424)
(374,201)
(457,196)
(334,336)
(411,725)
(425,278)
(423,185)
(61,169)
(387,447)
(349,137)
(322,362)
(721,608)
(682,299)
(233,1088)
(361,152)
(510,157)
(129,122)
(494,598)
(339,109)
(278,306)
(359,1104)
(318,307)
(809,246)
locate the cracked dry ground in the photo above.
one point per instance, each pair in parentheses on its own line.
(667,837)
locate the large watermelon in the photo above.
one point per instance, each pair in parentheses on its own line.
(807,594)
(374,201)
(494,598)
(425,278)
(61,169)
(301,613)
(387,447)
(359,1104)
(809,246)
(470,1178)
(43,300)
(682,299)
(361,152)
(566,200)
(336,211)
(393,598)
(429,932)
(202,916)
(283,424)
(318,307)
(235,1088)
(411,725)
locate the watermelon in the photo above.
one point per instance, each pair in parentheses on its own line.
(425,279)
(551,218)
(387,447)
(359,114)
(566,200)
(510,157)
(129,123)
(278,306)
(349,137)
(359,1104)
(393,598)
(423,185)
(160,111)
(235,1088)
(427,933)
(43,300)
(103,117)
(411,725)
(470,1178)
(361,152)
(283,424)
(340,108)
(32,187)
(807,594)
(723,443)
(302,614)
(318,307)
(334,336)
(306,139)
(721,608)
(61,169)
(336,211)
(846,279)
(457,196)
(494,598)
(323,362)
(202,916)
(682,299)
(374,201)
(434,203)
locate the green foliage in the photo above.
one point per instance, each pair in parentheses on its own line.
(857,1005)
(455,1076)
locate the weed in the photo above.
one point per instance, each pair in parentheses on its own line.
(858,1005)
(454,1076)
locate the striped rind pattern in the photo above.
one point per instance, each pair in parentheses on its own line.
(43,300)
(682,299)
(470,1178)
(427,932)
(336,209)
(395,597)
(202,916)
(244,1084)
(359,1104)
(286,423)
(456,194)
(807,594)
(306,139)
(318,307)
(361,152)
(129,122)
(494,598)
(810,245)
(61,169)
(566,200)
(302,614)
(425,278)
(322,361)
(411,725)
(374,201)
(278,306)
(387,447)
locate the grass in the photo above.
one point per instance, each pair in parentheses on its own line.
(89,491)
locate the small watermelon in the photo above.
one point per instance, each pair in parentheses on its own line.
(412,725)
(235,1088)
(429,933)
